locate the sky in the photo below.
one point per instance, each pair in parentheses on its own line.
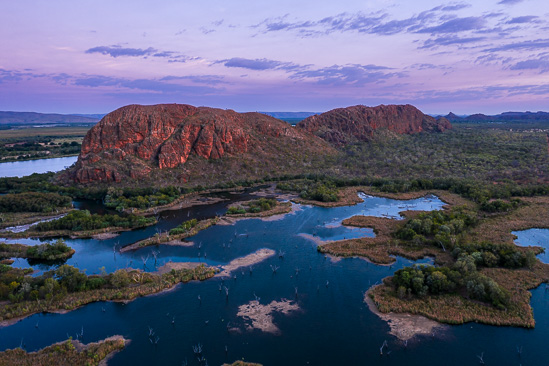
(93,56)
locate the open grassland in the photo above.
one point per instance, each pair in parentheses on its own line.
(534,213)
(40,143)
(53,132)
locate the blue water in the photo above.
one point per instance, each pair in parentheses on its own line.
(23,168)
(534,237)
(332,327)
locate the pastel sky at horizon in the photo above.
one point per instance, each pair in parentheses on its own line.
(93,56)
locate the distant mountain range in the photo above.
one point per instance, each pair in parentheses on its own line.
(290,115)
(31,118)
(503,117)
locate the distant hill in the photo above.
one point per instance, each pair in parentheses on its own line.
(503,117)
(342,126)
(29,118)
(289,115)
(97,116)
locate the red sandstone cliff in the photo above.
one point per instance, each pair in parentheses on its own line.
(352,124)
(135,141)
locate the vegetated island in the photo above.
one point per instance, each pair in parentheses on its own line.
(173,236)
(67,288)
(55,251)
(260,208)
(83,224)
(481,275)
(68,353)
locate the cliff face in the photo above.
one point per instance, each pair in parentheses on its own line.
(134,141)
(352,124)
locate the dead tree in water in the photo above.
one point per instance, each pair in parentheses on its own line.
(226,291)
(383,346)
(197,349)
(145,259)
(481,358)
(281,254)
(155,255)
(274,268)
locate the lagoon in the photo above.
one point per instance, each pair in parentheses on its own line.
(332,325)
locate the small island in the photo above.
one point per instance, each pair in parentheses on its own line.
(70,353)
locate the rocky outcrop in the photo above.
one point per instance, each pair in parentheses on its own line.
(353,124)
(135,141)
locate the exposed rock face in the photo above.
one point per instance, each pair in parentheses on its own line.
(352,124)
(145,138)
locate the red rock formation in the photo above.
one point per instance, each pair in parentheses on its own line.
(346,125)
(134,140)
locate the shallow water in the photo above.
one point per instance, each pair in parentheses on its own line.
(534,237)
(333,326)
(23,168)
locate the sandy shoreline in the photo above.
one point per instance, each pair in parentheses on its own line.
(404,326)
(245,261)
(104,236)
(178,266)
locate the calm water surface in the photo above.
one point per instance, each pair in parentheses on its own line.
(23,168)
(534,237)
(332,327)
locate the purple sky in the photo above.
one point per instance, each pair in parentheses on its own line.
(93,56)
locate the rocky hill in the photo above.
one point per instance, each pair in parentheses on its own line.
(181,143)
(358,123)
